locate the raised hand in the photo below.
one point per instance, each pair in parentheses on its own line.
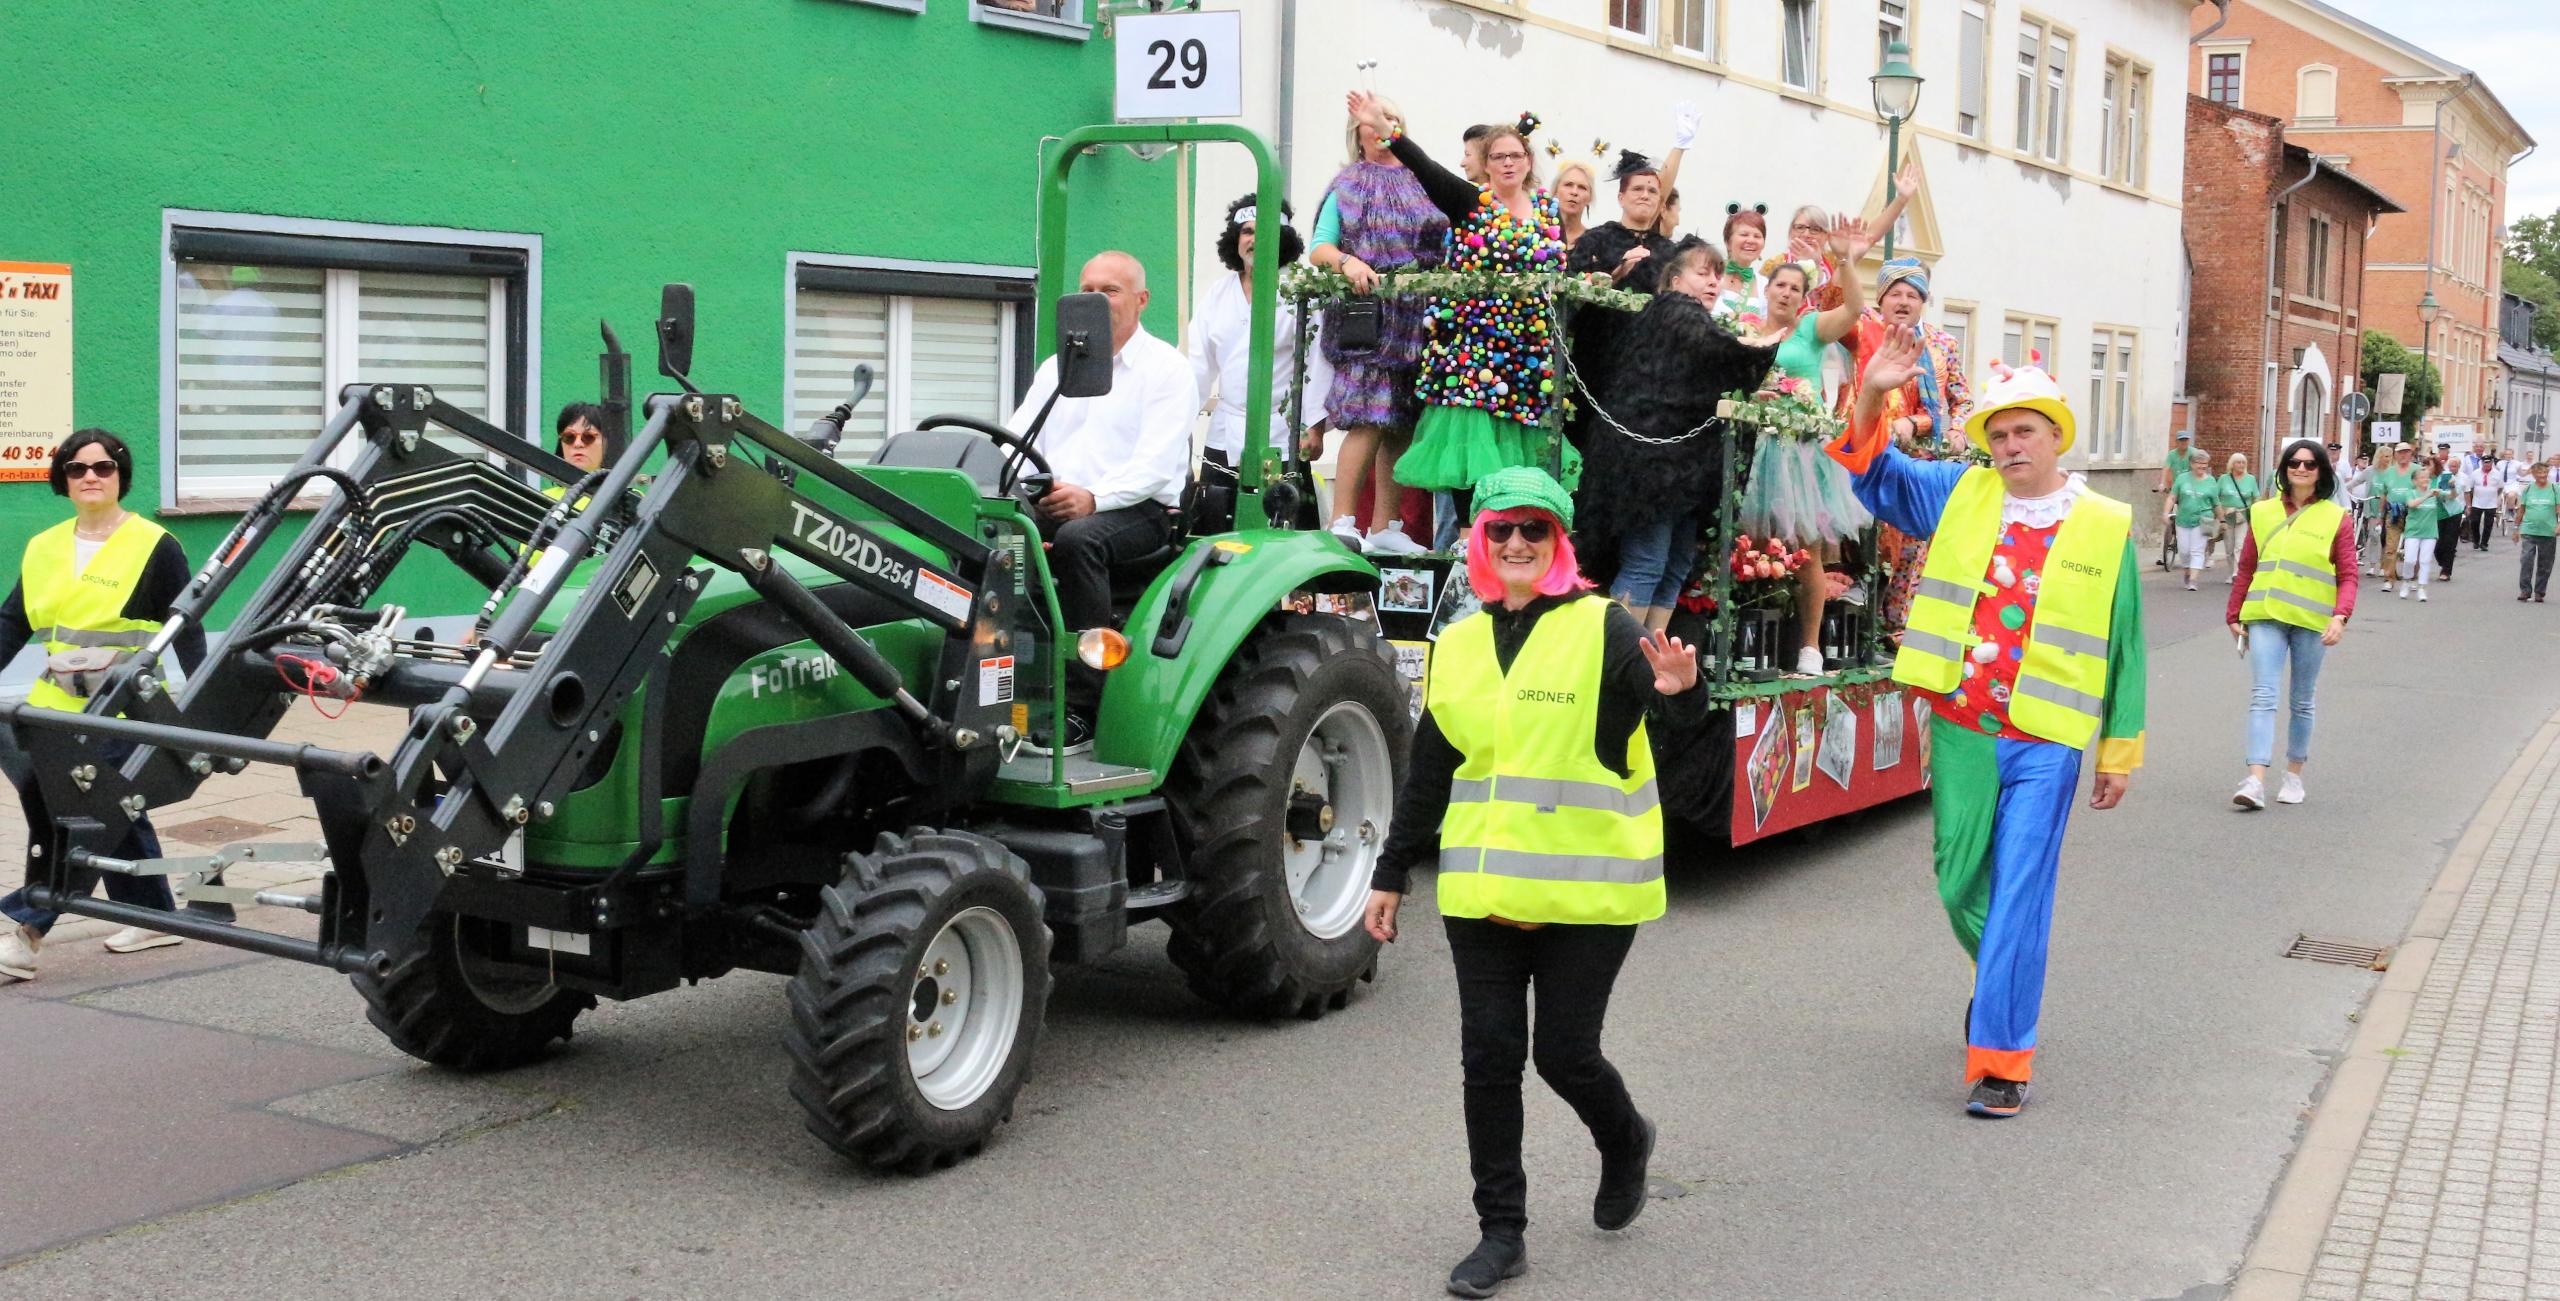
(1675,662)
(1684,124)
(1907,181)
(1896,360)
(1849,237)
(1367,110)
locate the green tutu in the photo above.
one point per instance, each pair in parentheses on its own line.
(1455,446)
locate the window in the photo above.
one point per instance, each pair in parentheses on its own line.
(938,340)
(1893,23)
(2109,422)
(1632,17)
(1973,89)
(2315,91)
(269,322)
(2222,79)
(1800,58)
(2122,96)
(1957,320)
(2316,245)
(1689,27)
(1048,17)
(2027,341)
(2044,71)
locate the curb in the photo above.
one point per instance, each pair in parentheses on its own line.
(2278,1264)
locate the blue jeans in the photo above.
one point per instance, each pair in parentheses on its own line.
(1653,562)
(141,842)
(1445,525)
(2270,645)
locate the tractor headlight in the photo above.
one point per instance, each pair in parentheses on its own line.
(1102,648)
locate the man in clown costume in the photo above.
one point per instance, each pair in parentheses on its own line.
(2026,636)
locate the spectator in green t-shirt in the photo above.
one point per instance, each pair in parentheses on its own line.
(2233,494)
(2393,485)
(2190,510)
(2432,494)
(2538,531)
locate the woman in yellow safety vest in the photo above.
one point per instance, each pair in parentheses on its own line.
(2291,593)
(91,591)
(1531,782)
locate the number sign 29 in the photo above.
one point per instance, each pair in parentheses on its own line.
(1179,65)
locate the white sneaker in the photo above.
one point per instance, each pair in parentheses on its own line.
(18,952)
(2291,793)
(1809,661)
(2422,593)
(2251,795)
(1391,541)
(1347,529)
(134,939)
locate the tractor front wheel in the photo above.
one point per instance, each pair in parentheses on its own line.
(1281,795)
(447,1001)
(922,987)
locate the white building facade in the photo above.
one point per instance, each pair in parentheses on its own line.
(2050,138)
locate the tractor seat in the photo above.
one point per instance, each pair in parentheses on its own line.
(1131,578)
(946,449)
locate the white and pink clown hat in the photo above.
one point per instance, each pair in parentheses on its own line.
(2023,386)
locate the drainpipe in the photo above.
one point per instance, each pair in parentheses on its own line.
(1288,132)
(2275,313)
(2222,14)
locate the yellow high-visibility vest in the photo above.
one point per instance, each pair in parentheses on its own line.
(1538,829)
(69,607)
(2062,681)
(2295,581)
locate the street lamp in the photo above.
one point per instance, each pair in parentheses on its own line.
(2427,309)
(1896,87)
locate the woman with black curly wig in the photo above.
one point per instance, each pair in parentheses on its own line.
(1221,358)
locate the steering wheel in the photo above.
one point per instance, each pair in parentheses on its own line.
(1002,437)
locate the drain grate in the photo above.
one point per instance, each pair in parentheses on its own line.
(2344,953)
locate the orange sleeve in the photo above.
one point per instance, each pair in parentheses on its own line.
(1857,449)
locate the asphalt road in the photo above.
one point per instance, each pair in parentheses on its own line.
(1793,1024)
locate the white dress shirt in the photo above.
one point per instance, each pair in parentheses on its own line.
(1131,443)
(1221,361)
(2493,481)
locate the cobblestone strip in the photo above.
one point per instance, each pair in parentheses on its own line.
(2448,1195)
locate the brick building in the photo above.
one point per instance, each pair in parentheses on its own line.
(2277,236)
(2410,123)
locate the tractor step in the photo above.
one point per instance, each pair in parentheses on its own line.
(1158,894)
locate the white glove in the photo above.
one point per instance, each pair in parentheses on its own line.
(1684,124)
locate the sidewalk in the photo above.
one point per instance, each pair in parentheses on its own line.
(2423,1172)
(263,804)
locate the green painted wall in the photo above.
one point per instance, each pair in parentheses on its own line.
(644,140)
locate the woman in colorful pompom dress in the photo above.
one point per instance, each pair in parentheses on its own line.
(1488,362)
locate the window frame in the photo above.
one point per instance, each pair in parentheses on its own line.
(2125,120)
(1812,84)
(1078,28)
(2319,240)
(1647,14)
(1979,86)
(512,260)
(2043,93)
(902,280)
(2030,325)
(1971,338)
(2112,437)
(1889,30)
(2302,79)
(2239,56)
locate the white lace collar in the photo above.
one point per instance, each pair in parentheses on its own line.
(2047,510)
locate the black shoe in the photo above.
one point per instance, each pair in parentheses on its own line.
(1996,1098)
(1621,1196)
(1484,1269)
(1079,737)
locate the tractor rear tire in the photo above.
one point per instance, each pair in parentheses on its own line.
(922,988)
(445,1003)
(1281,795)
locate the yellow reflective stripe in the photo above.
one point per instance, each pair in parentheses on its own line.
(1555,793)
(1953,593)
(2295,598)
(1525,865)
(2312,572)
(2078,643)
(1930,643)
(121,639)
(2060,696)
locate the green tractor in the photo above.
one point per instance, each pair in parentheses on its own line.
(763,710)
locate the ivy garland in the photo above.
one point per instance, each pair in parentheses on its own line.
(1303,281)
(1787,416)
(1856,687)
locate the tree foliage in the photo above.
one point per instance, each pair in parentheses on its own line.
(2535,242)
(2384,355)
(2532,284)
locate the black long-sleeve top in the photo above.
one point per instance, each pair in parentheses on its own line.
(1626,696)
(164,578)
(1454,195)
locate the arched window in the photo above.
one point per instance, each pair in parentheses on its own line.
(2315,91)
(2311,410)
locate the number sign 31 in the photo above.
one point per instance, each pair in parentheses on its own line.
(1179,65)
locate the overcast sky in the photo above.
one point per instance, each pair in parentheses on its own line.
(2515,46)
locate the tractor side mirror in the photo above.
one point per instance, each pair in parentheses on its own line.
(675,331)
(1084,346)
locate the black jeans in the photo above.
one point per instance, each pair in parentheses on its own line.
(1574,968)
(1081,554)
(2533,568)
(2484,524)
(2448,545)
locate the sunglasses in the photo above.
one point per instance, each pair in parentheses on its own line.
(1499,531)
(580,440)
(2302,465)
(88,469)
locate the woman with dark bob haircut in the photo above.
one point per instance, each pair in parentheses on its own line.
(99,585)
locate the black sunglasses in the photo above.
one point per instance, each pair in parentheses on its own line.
(88,469)
(1498,531)
(577,439)
(2302,465)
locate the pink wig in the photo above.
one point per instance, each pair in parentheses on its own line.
(1562,576)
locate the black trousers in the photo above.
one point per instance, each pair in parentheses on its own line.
(1573,969)
(2484,525)
(2533,567)
(1081,554)
(2448,545)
